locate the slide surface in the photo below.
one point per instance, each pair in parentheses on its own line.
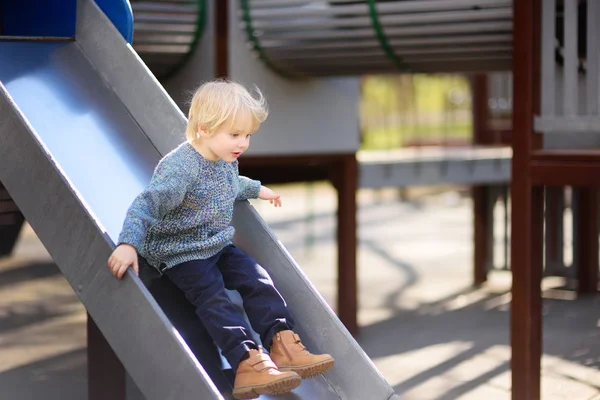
(82,125)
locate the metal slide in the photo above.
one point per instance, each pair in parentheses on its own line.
(82,125)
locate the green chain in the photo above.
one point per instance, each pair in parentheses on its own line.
(383,41)
(256,44)
(200,21)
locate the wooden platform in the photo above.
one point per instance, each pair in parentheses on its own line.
(434,165)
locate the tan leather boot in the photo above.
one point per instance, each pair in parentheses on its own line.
(258,375)
(289,354)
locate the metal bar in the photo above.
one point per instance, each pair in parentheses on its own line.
(162,48)
(383,7)
(548,58)
(404,31)
(593,59)
(387,20)
(462,51)
(146,6)
(154,38)
(485,61)
(571,97)
(141,27)
(371,59)
(432,67)
(290,3)
(161,18)
(407,42)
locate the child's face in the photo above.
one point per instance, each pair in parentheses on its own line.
(229,141)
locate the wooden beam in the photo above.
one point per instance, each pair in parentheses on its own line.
(565,173)
(106,374)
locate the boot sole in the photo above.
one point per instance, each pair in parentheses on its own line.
(283,385)
(308,371)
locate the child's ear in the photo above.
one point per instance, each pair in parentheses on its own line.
(203,131)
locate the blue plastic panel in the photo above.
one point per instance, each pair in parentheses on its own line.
(121,15)
(57,17)
(38,17)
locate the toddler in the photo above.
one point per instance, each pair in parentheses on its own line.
(181,225)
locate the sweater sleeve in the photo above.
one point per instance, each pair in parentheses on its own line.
(167,189)
(249,188)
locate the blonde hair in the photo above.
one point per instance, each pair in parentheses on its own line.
(217,102)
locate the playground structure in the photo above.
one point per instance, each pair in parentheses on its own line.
(312,133)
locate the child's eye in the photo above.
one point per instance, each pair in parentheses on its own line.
(235,135)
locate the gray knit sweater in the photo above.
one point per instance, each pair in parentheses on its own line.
(185,213)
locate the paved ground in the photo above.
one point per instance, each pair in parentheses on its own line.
(430,334)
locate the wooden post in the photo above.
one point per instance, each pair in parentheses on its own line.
(480,194)
(554,230)
(481,224)
(586,244)
(221,38)
(346,182)
(106,374)
(527,208)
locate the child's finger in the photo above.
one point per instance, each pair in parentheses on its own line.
(115,269)
(122,270)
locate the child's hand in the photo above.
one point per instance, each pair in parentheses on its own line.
(122,258)
(267,194)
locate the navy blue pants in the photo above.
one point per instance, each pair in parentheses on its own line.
(204,283)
